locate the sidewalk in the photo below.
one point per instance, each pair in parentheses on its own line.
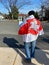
(14,56)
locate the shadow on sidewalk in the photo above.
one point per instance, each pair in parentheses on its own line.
(40,56)
(21,52)
(11,42)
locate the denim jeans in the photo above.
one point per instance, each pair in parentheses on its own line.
(30,51)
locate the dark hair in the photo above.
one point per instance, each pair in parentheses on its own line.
(31,13)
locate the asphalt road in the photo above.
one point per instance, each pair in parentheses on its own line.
(9,27)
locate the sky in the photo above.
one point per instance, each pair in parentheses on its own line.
(33,5)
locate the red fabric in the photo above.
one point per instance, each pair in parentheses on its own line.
(38,23)
(32,31)
(40,28)
(24,29)
(30,20)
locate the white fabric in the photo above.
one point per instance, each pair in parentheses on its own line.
(30,37)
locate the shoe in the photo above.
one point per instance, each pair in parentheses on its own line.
(28,60)
(32,56)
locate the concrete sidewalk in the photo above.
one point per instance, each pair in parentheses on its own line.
(14,56)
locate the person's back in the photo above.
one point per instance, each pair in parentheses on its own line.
(30,30)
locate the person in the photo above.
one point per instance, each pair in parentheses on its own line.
(30,29)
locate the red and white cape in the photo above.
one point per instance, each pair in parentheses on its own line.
(30,29)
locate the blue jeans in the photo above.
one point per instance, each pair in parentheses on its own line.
(30,51)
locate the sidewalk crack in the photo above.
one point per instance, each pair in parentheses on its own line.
(15,59)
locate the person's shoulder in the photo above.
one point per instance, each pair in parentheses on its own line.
(38,21)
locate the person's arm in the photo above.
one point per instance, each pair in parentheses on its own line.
(39,27)
(20,23)
(41,32)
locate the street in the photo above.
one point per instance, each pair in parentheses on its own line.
(9,35)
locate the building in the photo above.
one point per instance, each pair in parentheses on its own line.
(1,16)
(41,13)
(22,17)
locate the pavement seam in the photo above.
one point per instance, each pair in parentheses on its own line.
(15,59)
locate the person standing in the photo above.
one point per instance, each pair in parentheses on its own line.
(30,29)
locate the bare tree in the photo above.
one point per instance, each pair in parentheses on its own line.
(8,4)
(45,8)
(45,3)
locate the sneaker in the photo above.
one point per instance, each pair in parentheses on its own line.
(28,60)
(32,56)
